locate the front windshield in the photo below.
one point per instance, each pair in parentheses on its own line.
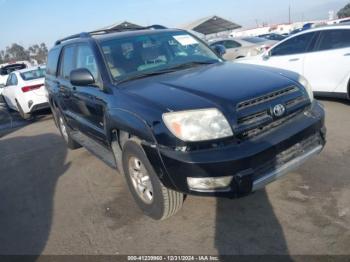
(151,53)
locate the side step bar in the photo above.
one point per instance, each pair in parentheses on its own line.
(95,148)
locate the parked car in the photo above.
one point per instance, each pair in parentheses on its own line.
(6,69)
(25,91)
(242,47)
(321,55)
(273,36)
(166,111)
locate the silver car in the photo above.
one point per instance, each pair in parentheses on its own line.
(243,47)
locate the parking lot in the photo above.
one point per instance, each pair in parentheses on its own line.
(55,201)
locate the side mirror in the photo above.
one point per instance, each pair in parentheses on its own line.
(220,50)
(81,77)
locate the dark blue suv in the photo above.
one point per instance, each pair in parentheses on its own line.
(165,110)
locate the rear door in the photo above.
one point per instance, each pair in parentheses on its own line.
(328,66)
(88,102)
(290,54)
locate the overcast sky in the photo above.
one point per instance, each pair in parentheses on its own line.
(34,21)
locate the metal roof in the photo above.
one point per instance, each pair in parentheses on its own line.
(211,25)
(124,24)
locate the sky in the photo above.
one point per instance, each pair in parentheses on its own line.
(34,21)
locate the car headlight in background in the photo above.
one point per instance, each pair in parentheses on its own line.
(306,84)
(198,125)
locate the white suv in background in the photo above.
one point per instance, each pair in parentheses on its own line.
(321,55)
(25,91)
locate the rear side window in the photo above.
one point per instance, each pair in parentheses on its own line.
(52,62)
(295,45)
(334,39)
(68,62)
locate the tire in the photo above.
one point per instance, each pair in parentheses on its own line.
(25,116)
(164,202)
(65,132)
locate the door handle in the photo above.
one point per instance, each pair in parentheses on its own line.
(294,60)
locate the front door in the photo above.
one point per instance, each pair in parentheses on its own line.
(88,102)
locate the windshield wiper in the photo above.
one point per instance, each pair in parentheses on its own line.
(166,70)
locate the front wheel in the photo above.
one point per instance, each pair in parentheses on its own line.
(65,132)
(155,200)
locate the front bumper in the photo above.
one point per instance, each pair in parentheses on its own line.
(253,163)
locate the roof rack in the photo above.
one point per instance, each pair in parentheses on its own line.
(108,31)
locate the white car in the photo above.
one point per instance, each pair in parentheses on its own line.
(242,47)
(25,91)
(6,69)
(321,55)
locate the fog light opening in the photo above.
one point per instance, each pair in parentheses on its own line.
(209,183)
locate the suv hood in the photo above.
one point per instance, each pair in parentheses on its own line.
(206,86)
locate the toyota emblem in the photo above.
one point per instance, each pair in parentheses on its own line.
(279,110)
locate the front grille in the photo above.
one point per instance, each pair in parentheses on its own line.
(288,155)
(267,97)
(264,128)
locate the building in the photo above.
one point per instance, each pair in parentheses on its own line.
(212,26)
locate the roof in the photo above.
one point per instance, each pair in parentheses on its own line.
(123,24)
(211,25)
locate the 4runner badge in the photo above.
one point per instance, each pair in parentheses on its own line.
(279,110)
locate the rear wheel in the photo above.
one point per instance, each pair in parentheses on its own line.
(65,132)
(154,199)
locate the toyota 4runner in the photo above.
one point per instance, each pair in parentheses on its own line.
(165,110)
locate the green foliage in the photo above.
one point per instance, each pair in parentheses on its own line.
(344,12)
(16,52)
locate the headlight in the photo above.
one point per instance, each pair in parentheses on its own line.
(306,84)
(198,125)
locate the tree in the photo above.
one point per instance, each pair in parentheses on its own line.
(16,52)
(38,52)
(344,12)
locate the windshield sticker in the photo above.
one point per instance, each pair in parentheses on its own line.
(186,40)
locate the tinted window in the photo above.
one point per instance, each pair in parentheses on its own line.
(295,45)
(52,62)
(68,60)
(33,74)
(333,39)
(86,59)
(231,44)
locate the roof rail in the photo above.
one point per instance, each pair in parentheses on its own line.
(108,31)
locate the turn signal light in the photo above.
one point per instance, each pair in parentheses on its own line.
(31,88)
